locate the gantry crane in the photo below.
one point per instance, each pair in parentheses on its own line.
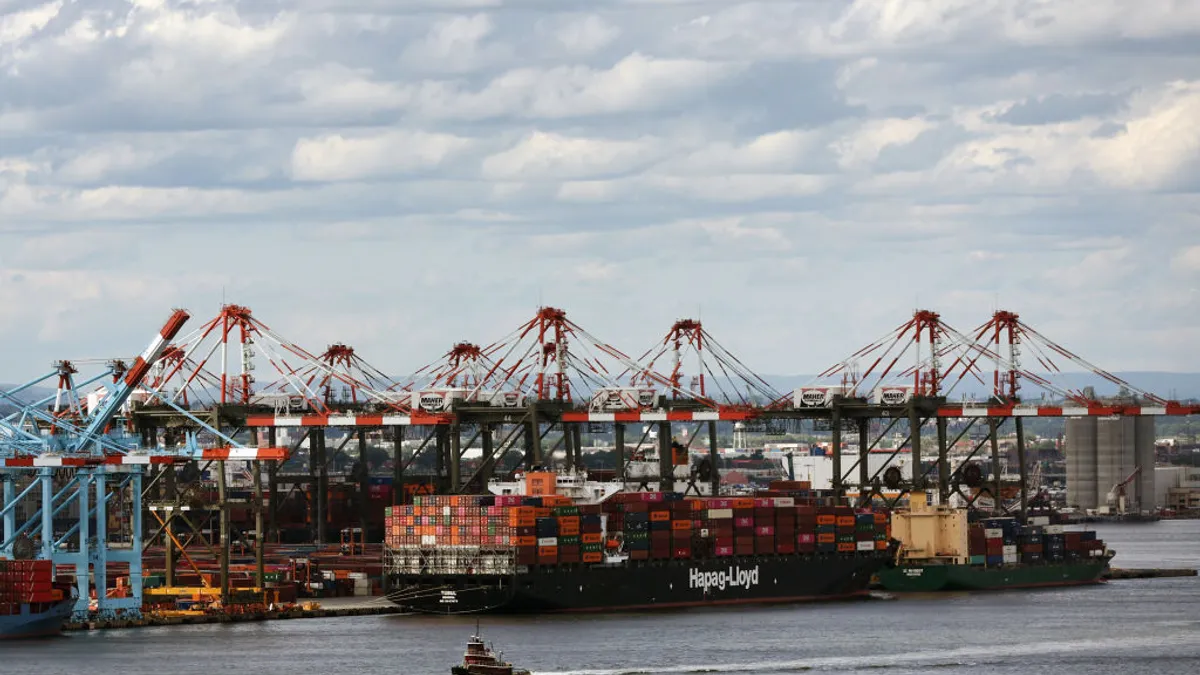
(83,456)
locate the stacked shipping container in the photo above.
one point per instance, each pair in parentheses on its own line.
(1004,541)
(494,534)
(26,582)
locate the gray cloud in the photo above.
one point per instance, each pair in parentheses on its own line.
(1061,108)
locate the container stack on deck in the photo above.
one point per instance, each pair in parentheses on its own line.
(495,534)
(26,582)
(1004,541)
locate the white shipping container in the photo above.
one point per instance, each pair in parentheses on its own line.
(1010,558)
(993,533)
(866,546)
(612,399)
(785,501)
(816,397)
(720,514)
(894,394)
(547,541)
(436,400)
(1039,520)
(1054,529)
(1010,550)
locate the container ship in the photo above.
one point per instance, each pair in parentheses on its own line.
(31,604)
(941,551)
(544,553)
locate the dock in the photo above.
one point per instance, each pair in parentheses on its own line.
(1118,574)
(332,608)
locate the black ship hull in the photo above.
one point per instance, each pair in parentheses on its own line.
(652,584)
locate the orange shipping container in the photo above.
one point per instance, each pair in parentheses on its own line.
(660,516)
(681,525)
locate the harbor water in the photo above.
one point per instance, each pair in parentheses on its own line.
(1129,627)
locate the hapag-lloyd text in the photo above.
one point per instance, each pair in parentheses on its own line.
(734,577)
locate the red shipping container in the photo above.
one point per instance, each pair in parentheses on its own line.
(785,547)
(806,538)
(724,551)
(682,552)
(743,522)
(764,531)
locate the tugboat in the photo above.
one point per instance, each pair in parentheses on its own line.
(481,660)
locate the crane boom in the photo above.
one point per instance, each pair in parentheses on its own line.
(124,387)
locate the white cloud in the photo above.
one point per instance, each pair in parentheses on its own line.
(585,34)
(635,83)
(336,157)
(775,151)
(863,146)
(96,163)
(1158,141)
(17,26)
(455,44)
(549,156)
(1187,260)
(922,24)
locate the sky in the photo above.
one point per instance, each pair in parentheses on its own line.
(401,175)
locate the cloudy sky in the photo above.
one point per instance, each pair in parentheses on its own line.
(403,174)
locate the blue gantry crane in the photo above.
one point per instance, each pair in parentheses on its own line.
(69,454)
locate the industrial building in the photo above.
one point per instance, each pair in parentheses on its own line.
(1103,453)
(1177,487)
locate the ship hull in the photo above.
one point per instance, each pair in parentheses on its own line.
(27,624)
(643,585)
(932,578)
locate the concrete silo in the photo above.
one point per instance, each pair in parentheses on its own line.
(1102,452)
(1081,462)
(1145,459)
